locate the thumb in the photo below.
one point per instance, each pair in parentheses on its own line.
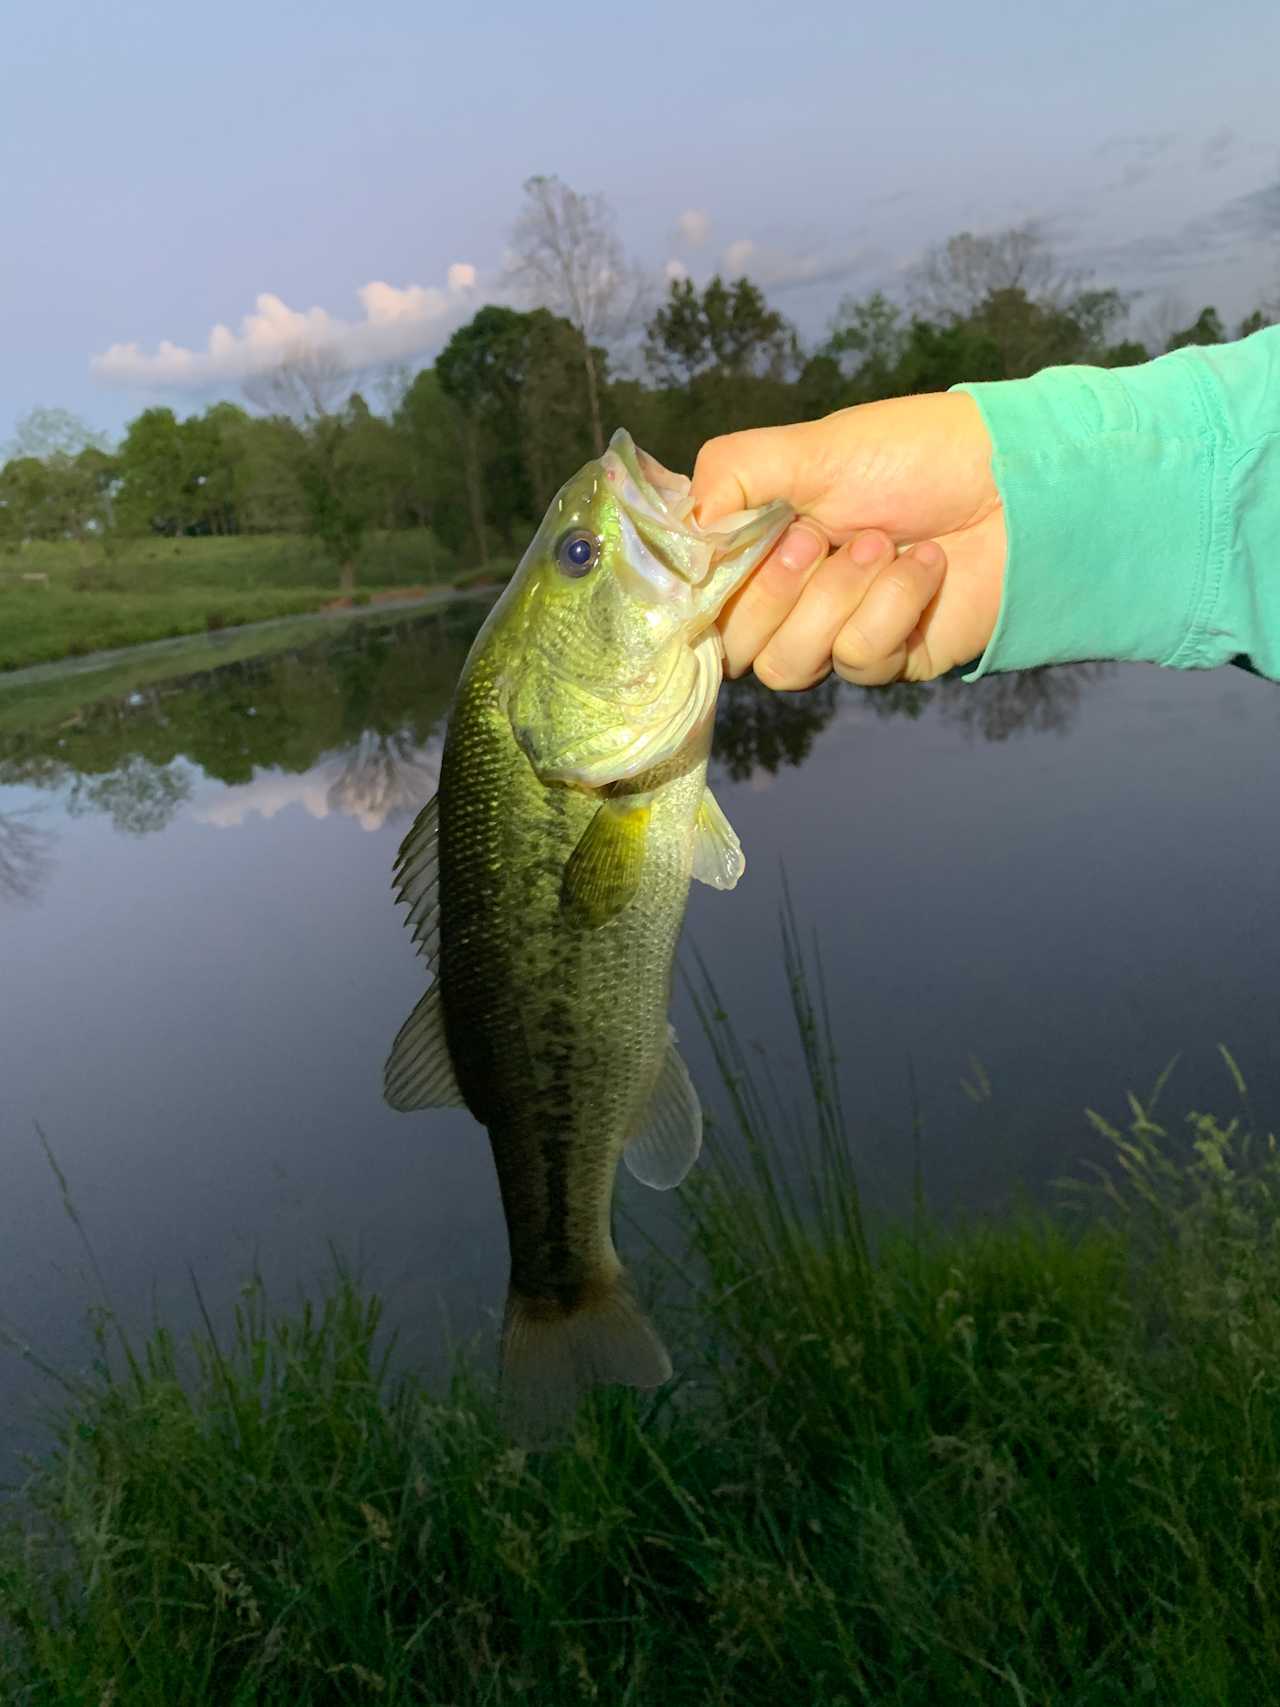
(741,471)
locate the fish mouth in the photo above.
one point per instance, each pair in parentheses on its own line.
(666,555)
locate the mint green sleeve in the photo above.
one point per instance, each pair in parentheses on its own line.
(1143,510)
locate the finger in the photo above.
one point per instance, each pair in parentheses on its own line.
(882,639)
(799,653)
(742,470)
(758,609)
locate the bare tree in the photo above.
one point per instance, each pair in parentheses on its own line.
(392,386)
(568,258)
(1161,320)
(954,277)
(312,387)
(308,383)
(45,433)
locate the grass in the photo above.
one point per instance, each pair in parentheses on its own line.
(1030,1462)
(153,589)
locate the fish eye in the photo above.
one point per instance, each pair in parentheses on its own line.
(577,552)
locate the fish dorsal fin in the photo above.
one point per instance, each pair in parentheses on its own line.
(604,869)
(419,1073)
(718,858)
(416,880)
(666,1145)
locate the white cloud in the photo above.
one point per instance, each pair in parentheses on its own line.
(397,323)
(776,268)
(675,270)
(694,226)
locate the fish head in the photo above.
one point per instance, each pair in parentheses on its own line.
(612,660)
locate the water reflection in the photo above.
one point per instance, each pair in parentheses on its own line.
(1045,700)
(381,779)
(354,728)
(351,729)
(758,731)
(26,856)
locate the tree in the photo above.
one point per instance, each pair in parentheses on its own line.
(305,390)
(955,277)
(430,428)
(59,480)
(479,371)
(568,259)
(51,433)
(216,446)
(728,330)
(867,340)
(1206,328)
(513,378)
(154,475)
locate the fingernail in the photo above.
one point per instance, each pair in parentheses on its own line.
(928,552)
(800,549)
(868,546)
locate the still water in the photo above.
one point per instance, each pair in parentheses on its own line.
(1067,875)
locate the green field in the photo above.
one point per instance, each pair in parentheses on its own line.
(1030,1462)
(156,588)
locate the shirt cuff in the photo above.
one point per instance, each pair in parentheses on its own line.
(1106,477)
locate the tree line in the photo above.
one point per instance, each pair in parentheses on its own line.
(474,446)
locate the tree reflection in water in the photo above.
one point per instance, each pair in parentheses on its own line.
(26,856)
(1044,700)
(758,730)
(362,720)
(385,777)
(362,714)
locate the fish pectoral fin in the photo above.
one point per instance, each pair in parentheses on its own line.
(718,858)
(667,1143)
(416,881)
(419,1073)
(603,871)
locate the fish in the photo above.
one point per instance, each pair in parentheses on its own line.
(546,884)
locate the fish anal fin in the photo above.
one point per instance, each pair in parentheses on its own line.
(419,1073)
(718,858)
(603,871)
(552,1354)
(667,1143)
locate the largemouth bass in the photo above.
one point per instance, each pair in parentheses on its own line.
(546,884)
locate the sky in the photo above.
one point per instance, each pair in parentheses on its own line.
(188,191)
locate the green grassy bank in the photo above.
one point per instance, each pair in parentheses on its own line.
(1031,1462)
(58,600)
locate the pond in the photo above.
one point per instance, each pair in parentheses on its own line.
(1029,893)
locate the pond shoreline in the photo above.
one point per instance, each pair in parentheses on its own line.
(33,675)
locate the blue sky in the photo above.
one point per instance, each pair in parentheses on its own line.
(167,166)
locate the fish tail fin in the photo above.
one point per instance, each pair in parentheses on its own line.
(552,1353)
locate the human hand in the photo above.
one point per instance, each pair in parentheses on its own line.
(864,480)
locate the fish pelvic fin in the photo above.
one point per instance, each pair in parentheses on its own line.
(552,1353)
